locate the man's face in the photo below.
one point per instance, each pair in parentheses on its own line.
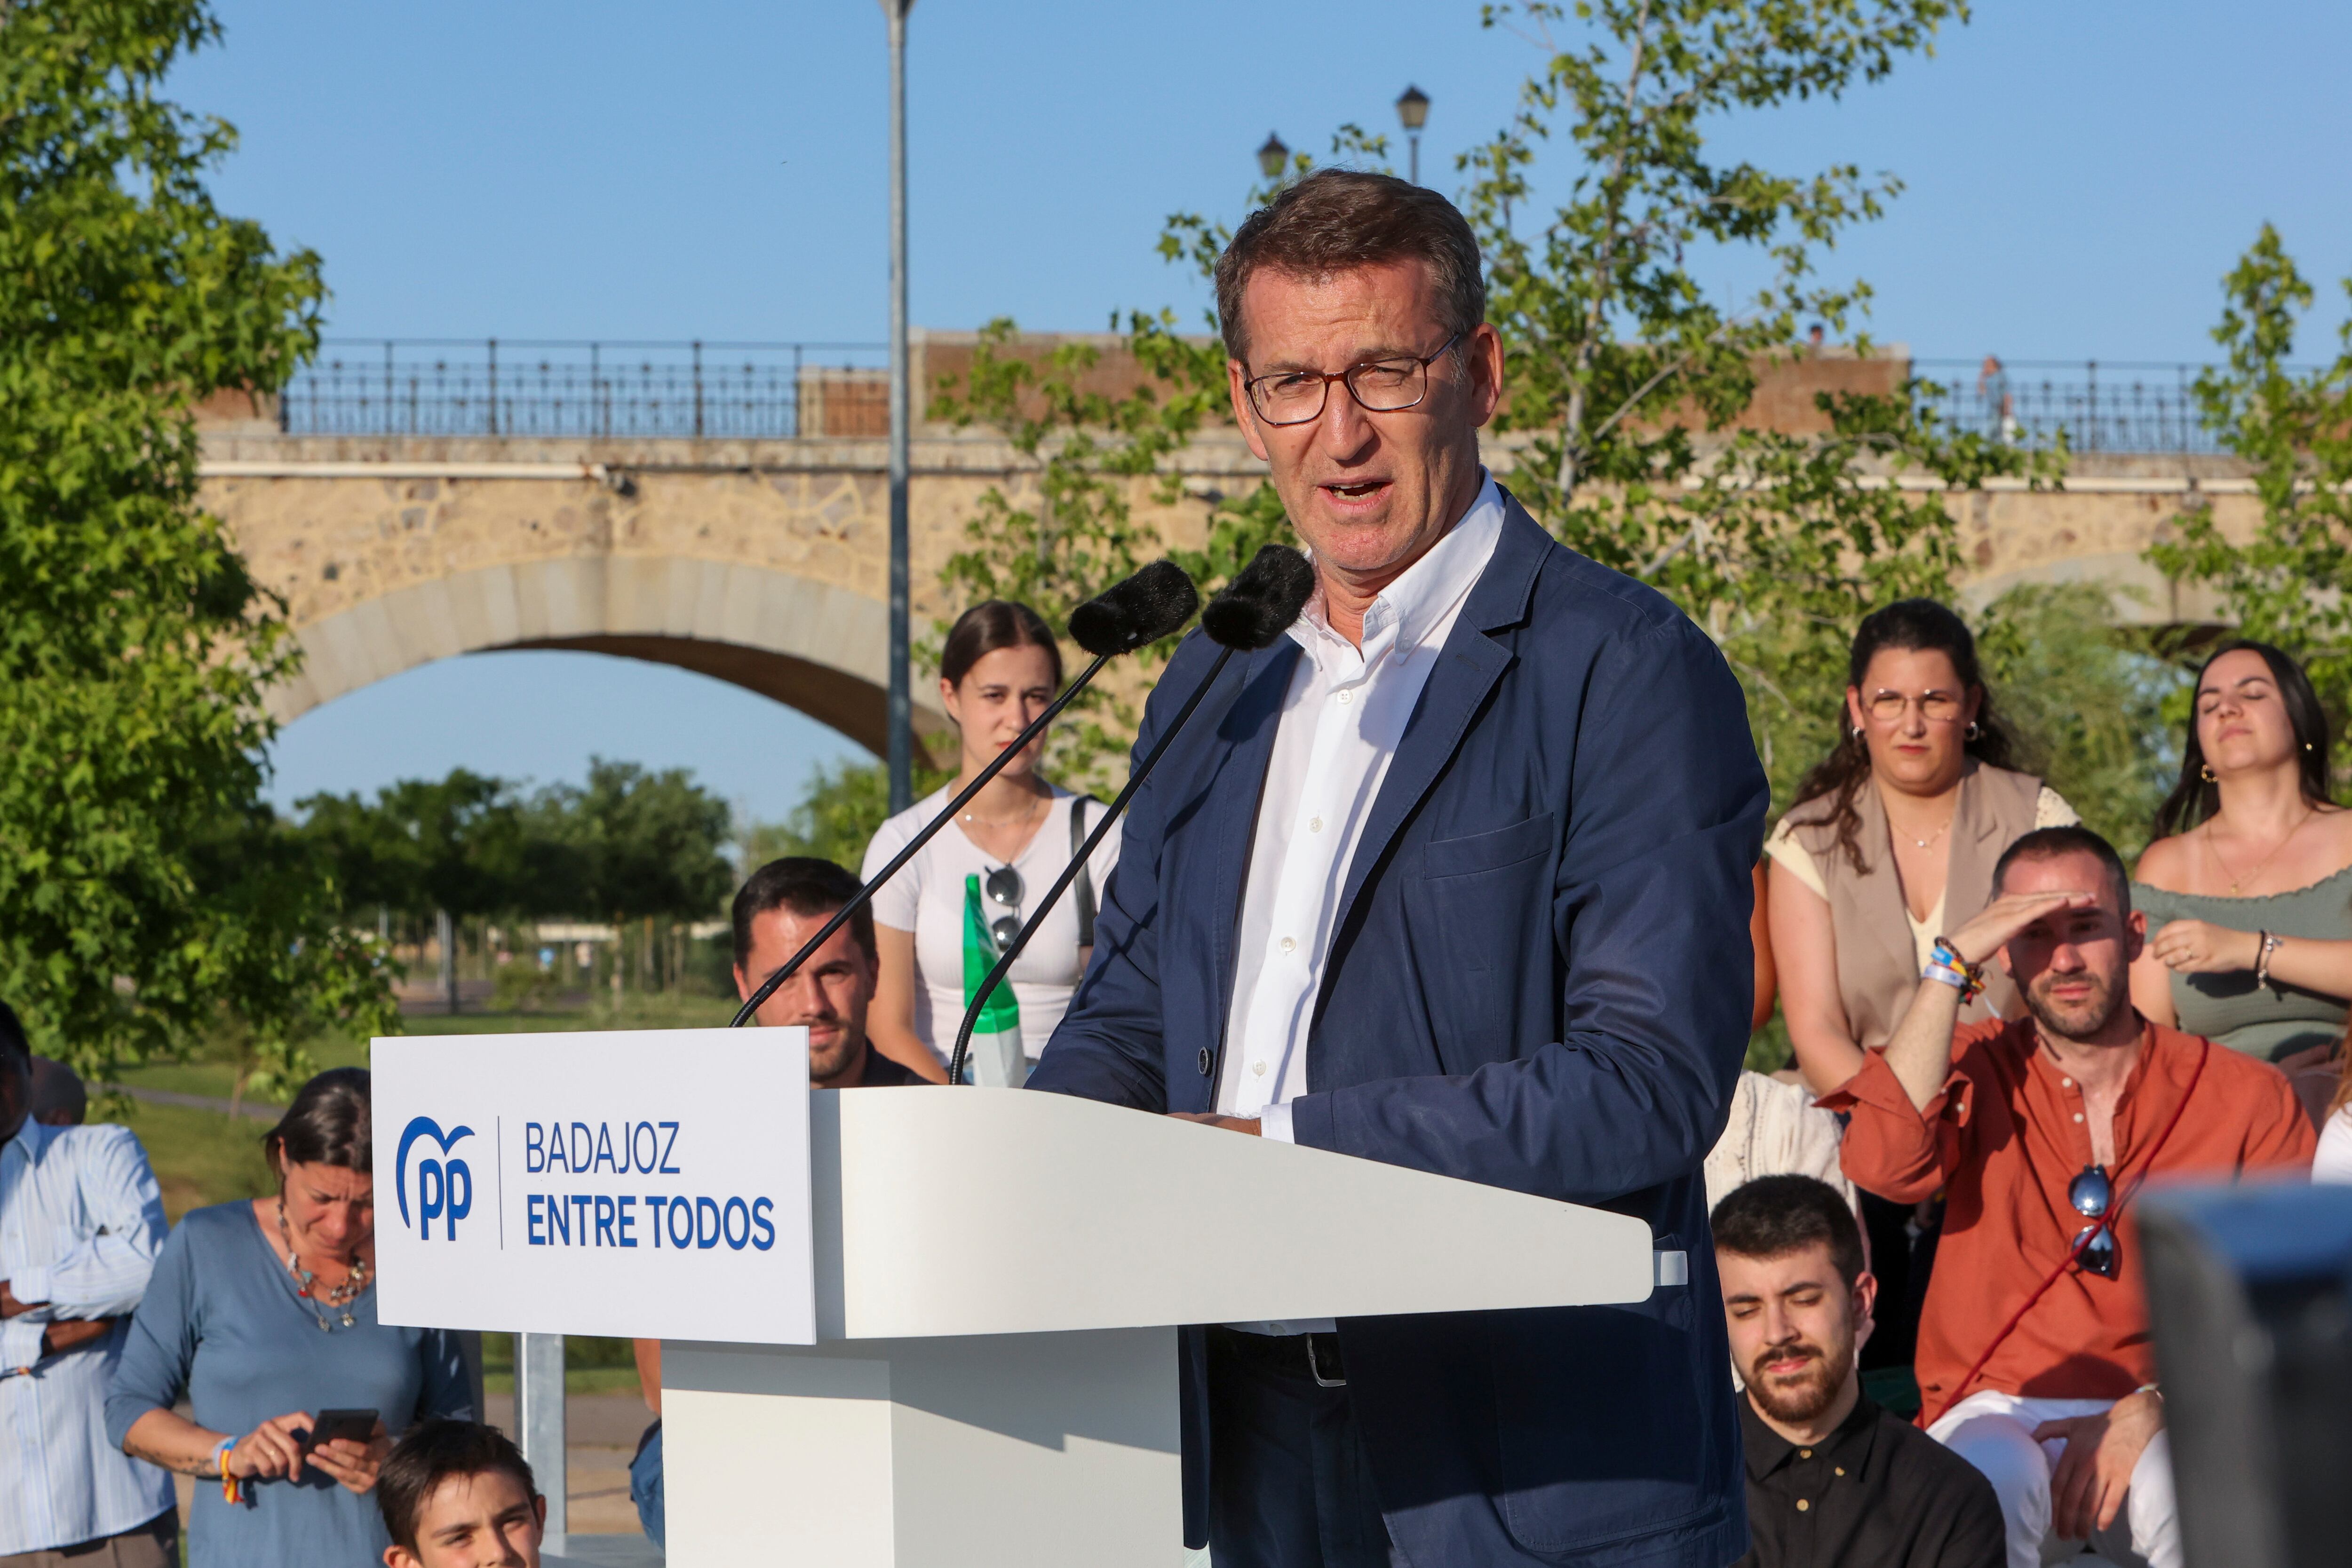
(1367,492)
(829,994)
(2070,964)
(1794,1327)
(482,1521)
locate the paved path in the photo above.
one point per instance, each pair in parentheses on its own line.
(249,1111)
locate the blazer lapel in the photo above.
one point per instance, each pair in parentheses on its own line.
(1247,730)
(1465,672)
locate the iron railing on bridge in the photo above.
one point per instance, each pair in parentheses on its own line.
(2126,406)
(424,386)
(429,386)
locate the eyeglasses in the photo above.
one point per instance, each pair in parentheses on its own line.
(1379,386)
(2091,1193)
(1940,707)
(1003,886)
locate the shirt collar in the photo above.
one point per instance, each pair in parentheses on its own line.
(1767,1450)
(29,1142)
(1406,611)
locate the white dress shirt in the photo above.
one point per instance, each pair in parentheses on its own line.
(80,1223)
(1341,719)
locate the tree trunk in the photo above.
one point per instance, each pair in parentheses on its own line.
(446,930)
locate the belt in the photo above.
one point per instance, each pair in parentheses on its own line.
(1317,1354)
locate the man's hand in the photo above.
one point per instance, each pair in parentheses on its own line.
(9,1305)
(72,1333)
(2007,915)
(2197,947)
(1210,1119)
(2088,1487)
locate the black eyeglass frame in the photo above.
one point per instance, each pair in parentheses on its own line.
(1003,886)
(1347,378)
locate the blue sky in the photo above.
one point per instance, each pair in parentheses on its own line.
(2079,174)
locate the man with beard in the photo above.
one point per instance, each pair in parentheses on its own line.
(1833,1481)
(2034,1360)
(783,905)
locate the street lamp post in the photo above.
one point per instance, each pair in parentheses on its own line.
(901,717)
(1274,157)
(1412,110)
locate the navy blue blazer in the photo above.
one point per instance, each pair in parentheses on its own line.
(1539,978)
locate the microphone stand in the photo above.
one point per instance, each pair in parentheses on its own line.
(841,916)
(1078,863)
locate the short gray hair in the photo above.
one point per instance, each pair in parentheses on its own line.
(1337,220)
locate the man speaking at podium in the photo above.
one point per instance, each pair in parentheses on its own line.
(1455,876)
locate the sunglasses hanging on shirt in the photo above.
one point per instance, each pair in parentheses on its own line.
(2091,1193)
(1004,889)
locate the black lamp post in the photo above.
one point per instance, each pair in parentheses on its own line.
(1412,110)
(1274,157)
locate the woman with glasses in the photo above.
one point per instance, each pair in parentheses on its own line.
(2248,886)
(943,921)
(1892,839)
(1890,844)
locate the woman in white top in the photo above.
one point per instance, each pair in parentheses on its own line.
(942,922)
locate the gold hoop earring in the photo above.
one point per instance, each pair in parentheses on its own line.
(2205,771)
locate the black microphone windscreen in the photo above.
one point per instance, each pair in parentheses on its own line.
(1153,604)
(1259,605)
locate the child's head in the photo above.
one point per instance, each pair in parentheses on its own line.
(457,1494)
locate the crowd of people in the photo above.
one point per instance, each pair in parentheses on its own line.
(2001,1035)
(1463,945)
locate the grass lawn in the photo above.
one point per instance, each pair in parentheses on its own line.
(203,1157)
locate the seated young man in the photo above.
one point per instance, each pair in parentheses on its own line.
(2033,1359)
(1833,1481)
(457,1494)
(784,904)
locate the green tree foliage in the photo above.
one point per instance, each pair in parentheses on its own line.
(143,897)
(455,845)
(1627,372)
(2288,584)
(2086,700)
(1072,533)
(839,814)
(631,843)
(645,844)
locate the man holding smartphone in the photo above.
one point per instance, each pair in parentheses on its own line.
(80,1222)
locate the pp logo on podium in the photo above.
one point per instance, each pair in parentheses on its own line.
(444,1187)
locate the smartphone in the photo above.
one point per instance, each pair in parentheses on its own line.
(357,1425)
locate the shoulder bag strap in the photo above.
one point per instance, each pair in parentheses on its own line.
(1084,888)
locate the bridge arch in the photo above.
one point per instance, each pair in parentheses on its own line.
(814,646)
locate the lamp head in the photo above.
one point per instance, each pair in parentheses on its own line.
(1412,108)
(1274,157)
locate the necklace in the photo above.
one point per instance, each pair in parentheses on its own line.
(2236,881)
(355,1284)
(1929,842)
(977,819)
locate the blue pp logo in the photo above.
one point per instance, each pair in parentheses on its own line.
(444,1187)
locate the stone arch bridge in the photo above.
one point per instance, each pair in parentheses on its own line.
(762,560)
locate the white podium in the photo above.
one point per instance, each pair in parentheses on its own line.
(998,1275)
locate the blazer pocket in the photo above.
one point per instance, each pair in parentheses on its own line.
(1489,851)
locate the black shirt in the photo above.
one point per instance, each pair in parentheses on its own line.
(881,1073)
(1877,1493)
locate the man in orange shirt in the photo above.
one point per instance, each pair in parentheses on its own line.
(2033,1357)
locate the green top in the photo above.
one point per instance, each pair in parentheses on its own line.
(2268,1021)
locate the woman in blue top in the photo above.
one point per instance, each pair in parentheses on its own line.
(262,1313)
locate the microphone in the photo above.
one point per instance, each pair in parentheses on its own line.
(1127,615)
(1248,614)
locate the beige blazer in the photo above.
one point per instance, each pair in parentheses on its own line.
(1877,963)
